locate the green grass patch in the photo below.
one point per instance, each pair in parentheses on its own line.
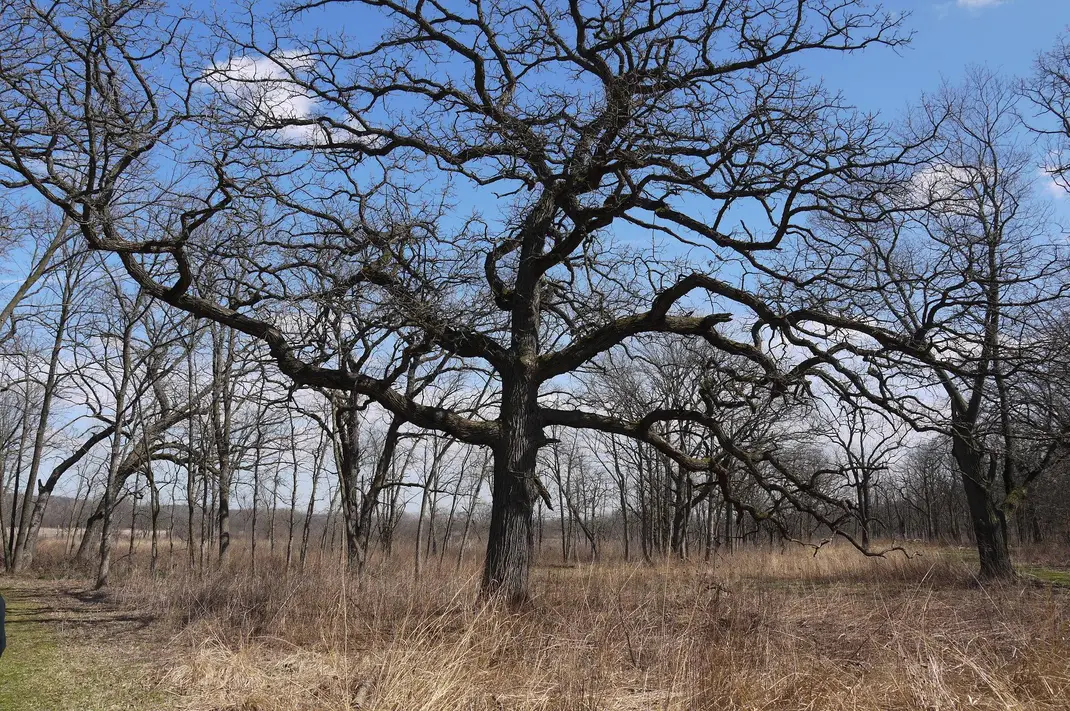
(43,671)
(1054,576)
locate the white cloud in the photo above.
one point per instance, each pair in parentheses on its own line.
(1052,185)
(263,90)
(945,182)
(977,4)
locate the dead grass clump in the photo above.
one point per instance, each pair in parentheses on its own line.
(759,629)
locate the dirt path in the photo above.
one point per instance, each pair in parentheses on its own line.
(71,650)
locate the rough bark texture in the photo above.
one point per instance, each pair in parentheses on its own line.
(511,540)
(347,426)
(995,555)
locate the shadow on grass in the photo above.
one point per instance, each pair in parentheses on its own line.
(43,670)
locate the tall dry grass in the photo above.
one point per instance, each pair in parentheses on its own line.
(755,630)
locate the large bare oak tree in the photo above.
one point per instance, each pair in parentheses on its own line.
(521,187)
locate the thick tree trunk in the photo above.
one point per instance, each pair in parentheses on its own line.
(24,558)
(222,403)
(863,509)
(111,484)
(223,508)
(104,560)
(511,540)
(681,514)
(992,546)
(347,454)
(992,549)
(370,502)
(89,532)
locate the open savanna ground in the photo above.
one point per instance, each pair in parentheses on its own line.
(760,629)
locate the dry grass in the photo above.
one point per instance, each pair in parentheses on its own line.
(757,630)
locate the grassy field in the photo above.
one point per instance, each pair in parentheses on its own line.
(69,653)
(755,630)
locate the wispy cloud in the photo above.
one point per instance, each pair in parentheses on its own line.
(943,182)
(1052,184)
(269,93)
(944,9)
(262,89)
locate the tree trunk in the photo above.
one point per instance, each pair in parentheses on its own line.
(681,511)
(10,557)
(729,523)
(154,509)
(23,542)
(470,512)
(221,413)
(191,473)
(622,491)
(72,519)
(306,527)
(44,494)
(112,482)
(291,522)
(417,562)
(347,455)
(863,508)
(992,549)
(455,499)
(89,532)
(257,454)
(511,541)
(274,508)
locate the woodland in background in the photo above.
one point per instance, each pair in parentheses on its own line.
(552,277)
(432,494)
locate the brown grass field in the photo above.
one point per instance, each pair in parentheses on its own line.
(760,629)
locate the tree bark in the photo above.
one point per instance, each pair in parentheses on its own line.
(112,482)
(511,541)
(222,405)
(347,453)
(992,546)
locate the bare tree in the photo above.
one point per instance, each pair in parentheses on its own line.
(866,442)
(577,124)
(71,276)
(1048,90)
(945,301)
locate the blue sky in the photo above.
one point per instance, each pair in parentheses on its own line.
(950,35)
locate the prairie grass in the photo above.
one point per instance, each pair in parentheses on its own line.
(760,629)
